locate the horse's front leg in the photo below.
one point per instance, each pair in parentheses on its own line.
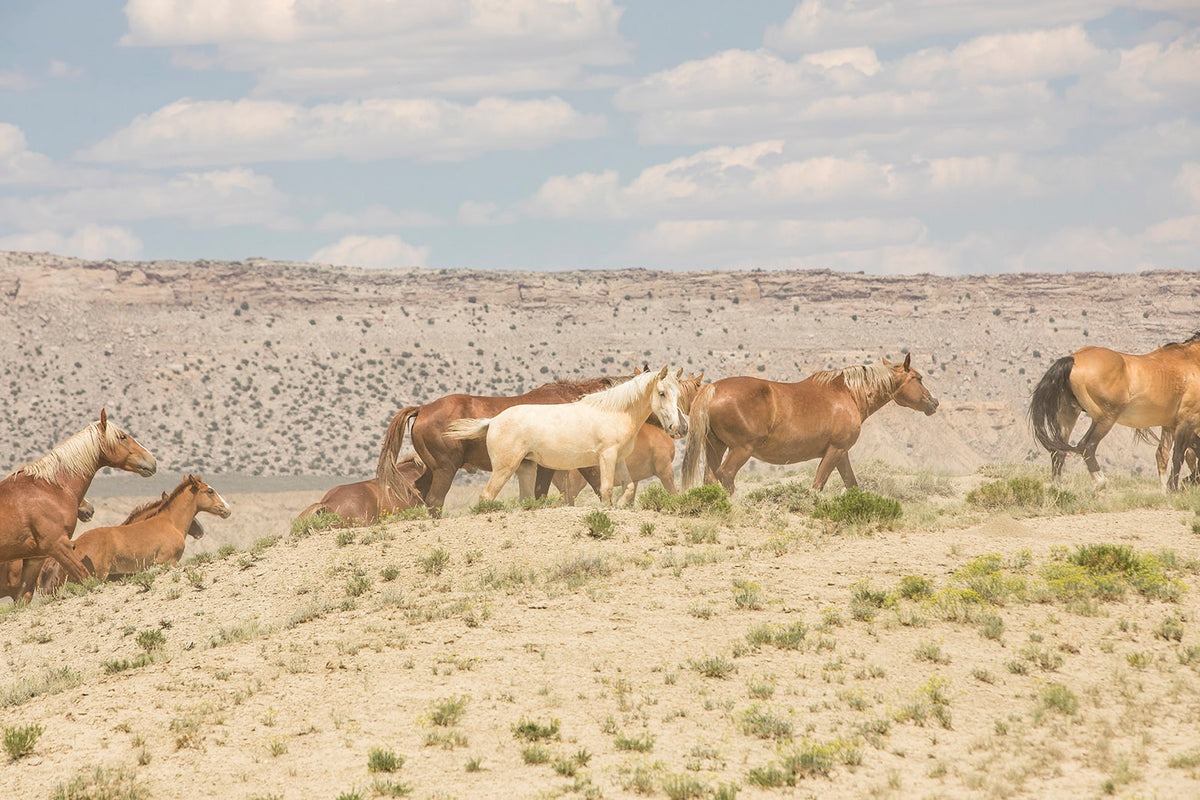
(832,458)
(608,470)
(62,550)
(847,472)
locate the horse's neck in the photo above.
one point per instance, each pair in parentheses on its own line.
(181,509)
(874,401)
(75,484)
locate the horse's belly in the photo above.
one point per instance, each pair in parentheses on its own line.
(565,459)
(788,452)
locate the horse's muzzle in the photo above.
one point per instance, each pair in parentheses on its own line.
(931,407)
(680,430)
(147,468)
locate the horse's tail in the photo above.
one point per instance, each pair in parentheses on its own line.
(315,508)
(467,428)
(386,472)
(1052,394)
(697,435)
(1146,435)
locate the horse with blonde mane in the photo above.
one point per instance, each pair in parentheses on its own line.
(1158,389)
(365,502)
(598,430)
(736,419)
(158,538)
(40,501)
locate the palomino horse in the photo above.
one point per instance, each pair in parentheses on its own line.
(39,502)
(783,423)
(444,457)
(366,501)
(1158,389)
(653,454)
(158,539)
(598,430)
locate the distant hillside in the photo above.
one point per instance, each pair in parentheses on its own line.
(271,368)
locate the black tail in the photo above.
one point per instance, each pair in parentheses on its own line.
(1052,395)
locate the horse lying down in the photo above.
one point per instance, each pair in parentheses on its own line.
(365,502)
(155,533)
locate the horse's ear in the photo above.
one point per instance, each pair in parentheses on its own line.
(700,377)
(679,374)
(886,363)
(662,373)
(103,420)
(907,361)
(164,497)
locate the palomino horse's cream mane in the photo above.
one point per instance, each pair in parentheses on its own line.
(862,380)
(623,395)
(79,455)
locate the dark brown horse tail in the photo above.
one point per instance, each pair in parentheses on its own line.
(386,473)
(697,435)
(1146,435)
(1052,394)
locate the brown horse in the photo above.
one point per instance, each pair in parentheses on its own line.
(1158,389)
(444,457)
(39,502)
(11,571)
(364,502)
(159,538)
(784,423)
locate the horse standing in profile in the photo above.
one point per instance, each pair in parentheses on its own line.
(444,456)
(598,430)
(393,490)
(736,419)
(158,538)
(40,502)
(1157,389)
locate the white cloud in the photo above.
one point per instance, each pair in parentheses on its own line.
(372,251)
(90,241)
(217,199)
(377,217)
(375,46)
(475,213)
(1004,58)
(587,195)
(61,69)
(15,81)
(201,133)
(1188,182)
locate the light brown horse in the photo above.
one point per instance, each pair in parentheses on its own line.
(1158,389)
(365,502)
(11,571)
(159,538)
(736,419)
(39,502)
(444,457)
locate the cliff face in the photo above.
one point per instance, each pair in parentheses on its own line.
(271,368)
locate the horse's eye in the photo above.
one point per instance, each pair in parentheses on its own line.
(210,491)
(122,437)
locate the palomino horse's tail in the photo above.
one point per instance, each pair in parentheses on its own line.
(468,428)
(697,435)
(387,474)
(1052,395)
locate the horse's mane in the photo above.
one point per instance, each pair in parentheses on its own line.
(79,455)
(590,385)
(155,504)
(1194,338)
(862,380)
(622,395)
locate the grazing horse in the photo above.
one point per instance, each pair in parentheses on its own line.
(1158,389)
(784,423)
(157,539)
(366,501)
(40,502)
(444,457)
(653,454)
(598,430)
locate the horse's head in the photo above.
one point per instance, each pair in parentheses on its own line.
(208,500)
(119,450)
(665,400)
(910,390)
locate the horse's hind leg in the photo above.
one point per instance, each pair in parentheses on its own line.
(847,472)
(501,472)
(545,476)
(714,454)
(1088,444)
(526,477)
(833,458)
(29,575)
(1068,415)
(735,459)
(1162,455)
(1181,441)
(439,487)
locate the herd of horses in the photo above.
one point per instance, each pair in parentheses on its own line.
(609,432)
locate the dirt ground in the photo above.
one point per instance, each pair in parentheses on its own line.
(670,658)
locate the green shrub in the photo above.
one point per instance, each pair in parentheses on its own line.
(102,784)
(381,760)
(435,562)
(914,587)
(448,711)
(530,730)
(792,496)
(708,499)
(642,743)
(316,522)
(151,640)
(487,507)
(1019,492)
(1058,697)
(599,524)
(856,506)
(20,740)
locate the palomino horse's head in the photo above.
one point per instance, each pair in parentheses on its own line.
(119,450)
(208,500)
(664,402)
(910,390)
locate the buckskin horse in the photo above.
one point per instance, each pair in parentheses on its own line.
(736,419)
(40,501)
(1157,389)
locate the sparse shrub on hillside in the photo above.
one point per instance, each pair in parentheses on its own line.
(599,524)
(20,740)
(382,760)
(530,730)
(100,783)
(487,507)
(314,523)
(708,499)
(437,560)
(914,587)
(1019,492)
(858,507)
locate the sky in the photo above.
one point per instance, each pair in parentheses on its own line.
(910,136)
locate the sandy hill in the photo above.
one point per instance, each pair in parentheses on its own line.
(268,368)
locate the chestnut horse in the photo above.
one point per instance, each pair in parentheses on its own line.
(11,571)
(596,430)
(366,501)
(39,502)
(444,457)
(784,423)
(1158,389)
(157,539)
